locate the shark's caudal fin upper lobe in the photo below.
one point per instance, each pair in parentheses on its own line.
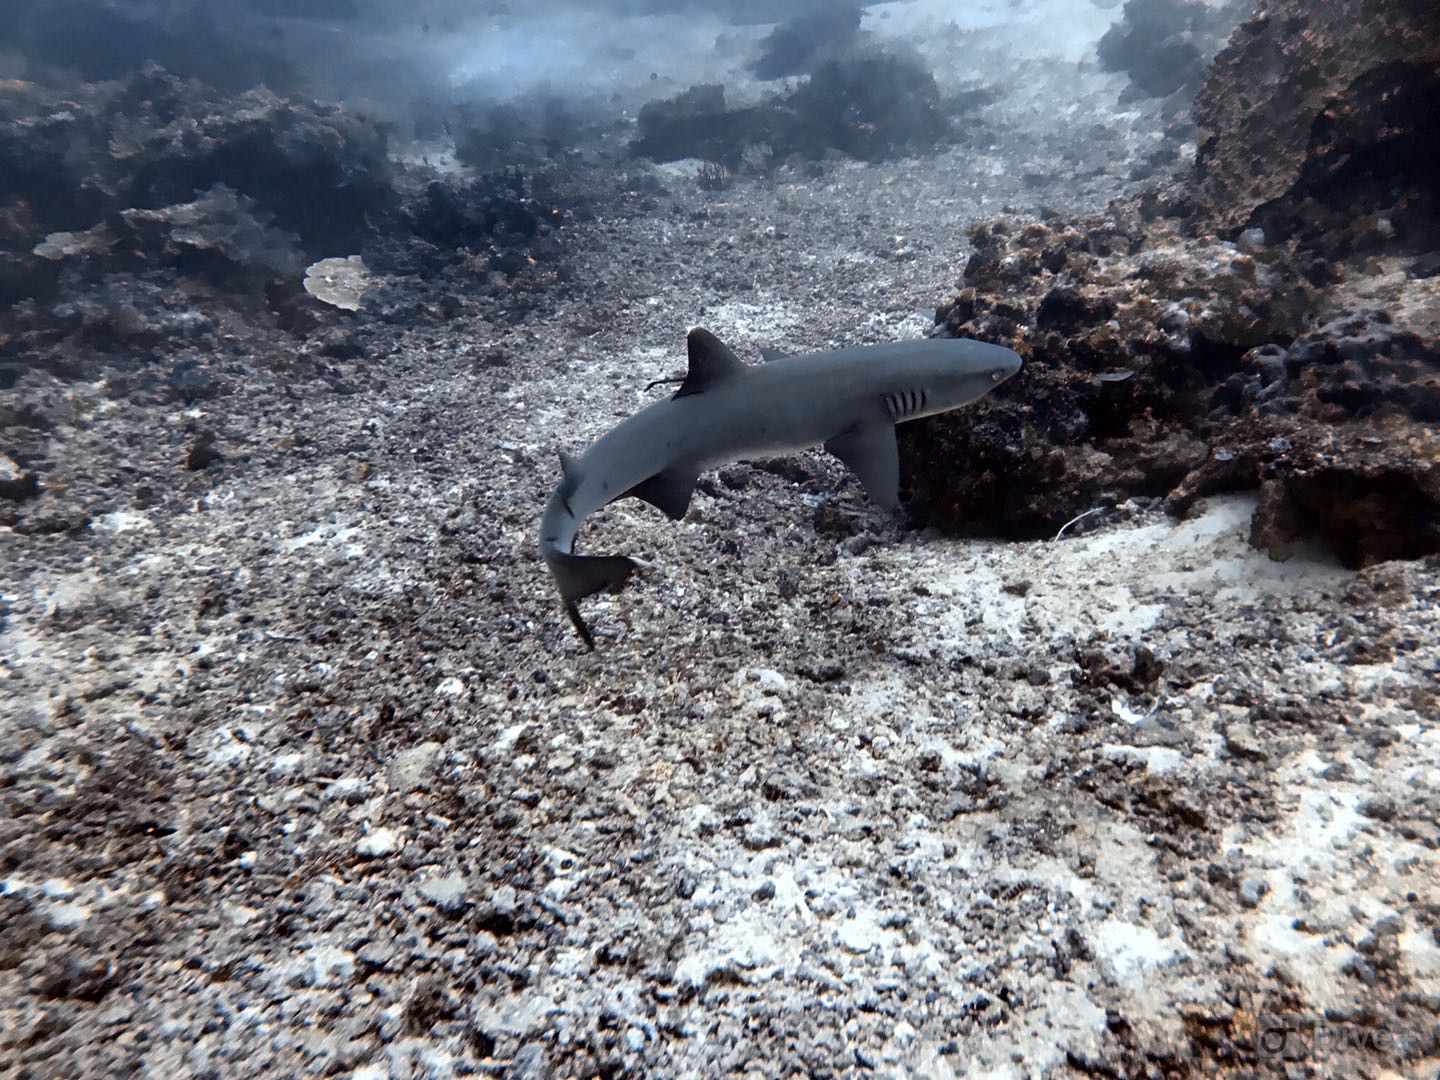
(580,576)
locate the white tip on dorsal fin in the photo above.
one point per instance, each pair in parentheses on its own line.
(711,363)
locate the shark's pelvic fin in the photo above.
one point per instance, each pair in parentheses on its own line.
(711,363)
(870,453)
(669,491)
(770,355)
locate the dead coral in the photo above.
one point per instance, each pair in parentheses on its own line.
(340,283)
(220,224)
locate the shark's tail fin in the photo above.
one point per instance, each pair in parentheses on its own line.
(580,576)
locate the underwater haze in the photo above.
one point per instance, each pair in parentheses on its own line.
(732,538)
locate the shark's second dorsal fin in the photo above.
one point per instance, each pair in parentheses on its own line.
(711,363)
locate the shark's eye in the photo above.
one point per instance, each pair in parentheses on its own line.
(997,375)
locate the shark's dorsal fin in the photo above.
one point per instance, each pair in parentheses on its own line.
(668,490)
(711,363)
(770,354)
(870,453)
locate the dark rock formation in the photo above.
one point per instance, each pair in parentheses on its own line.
(1127,331)
(1165,45)
(869,107)
(1165,366)
(530,133)
(143,218)
(796,46)
(147,225)
(1271,321)
(698,123)
(1318,122)
(67,161)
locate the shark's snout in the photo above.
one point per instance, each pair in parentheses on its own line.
(1008,366)
(986,362)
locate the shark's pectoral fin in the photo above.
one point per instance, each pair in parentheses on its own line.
(869,452)
(669,490)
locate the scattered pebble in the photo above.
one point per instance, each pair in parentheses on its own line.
(378,843)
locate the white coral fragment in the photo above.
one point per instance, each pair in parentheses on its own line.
(339,282)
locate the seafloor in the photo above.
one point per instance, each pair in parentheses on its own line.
(308,775)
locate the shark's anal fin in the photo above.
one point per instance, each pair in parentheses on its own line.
(711,363)
(668,490)
(869,451)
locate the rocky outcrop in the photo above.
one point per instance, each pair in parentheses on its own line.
(1128,330)
(1318,122)
(1167,366)
(1165,45)
(153,141)
(154,212)
(1161,366)
(870,106)
(1271,321)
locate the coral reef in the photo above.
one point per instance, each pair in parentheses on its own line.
(301,772)
(154,141)
(1161,365)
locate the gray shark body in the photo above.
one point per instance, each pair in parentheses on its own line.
(848,400)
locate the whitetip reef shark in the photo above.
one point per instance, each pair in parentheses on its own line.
(848,400)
